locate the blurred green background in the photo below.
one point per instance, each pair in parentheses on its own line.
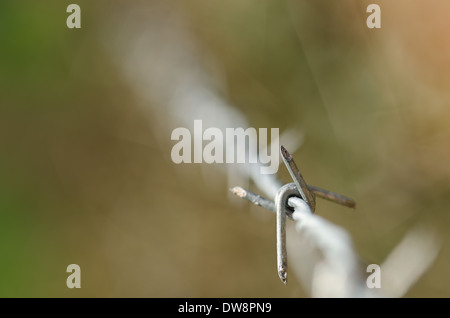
(373,105)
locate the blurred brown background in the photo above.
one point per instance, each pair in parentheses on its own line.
(85,179)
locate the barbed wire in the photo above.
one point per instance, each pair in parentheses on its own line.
(153,48)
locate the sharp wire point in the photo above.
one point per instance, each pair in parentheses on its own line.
(283,276)
(254,198)
(298,178)
(331,196)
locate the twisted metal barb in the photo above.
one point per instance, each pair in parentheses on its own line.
(299,188)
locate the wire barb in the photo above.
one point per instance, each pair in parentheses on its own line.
(299,188)
(285,192)
(254,198)
(298,178)
(331,196)
(257,199)
(311,191)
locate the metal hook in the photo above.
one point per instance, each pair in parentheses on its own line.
(284,193)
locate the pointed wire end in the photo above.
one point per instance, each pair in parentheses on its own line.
(286,155)
(283,276)
(240,192)
(350,203)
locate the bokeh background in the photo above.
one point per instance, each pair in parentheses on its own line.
(86,178)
